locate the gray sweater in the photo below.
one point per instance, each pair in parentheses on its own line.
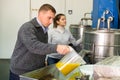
(31,48)
(60,35)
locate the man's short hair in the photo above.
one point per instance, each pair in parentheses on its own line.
(47,7)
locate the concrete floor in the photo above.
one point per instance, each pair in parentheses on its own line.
(4,69)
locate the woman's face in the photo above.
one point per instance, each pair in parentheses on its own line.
(62,21)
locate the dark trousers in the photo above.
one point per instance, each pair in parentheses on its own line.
(52,60)
(13,76)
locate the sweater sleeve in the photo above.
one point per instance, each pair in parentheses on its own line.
(74,41)
(28,38)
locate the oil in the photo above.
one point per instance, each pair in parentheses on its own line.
(66,68)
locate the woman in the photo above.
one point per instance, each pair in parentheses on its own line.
(59,35)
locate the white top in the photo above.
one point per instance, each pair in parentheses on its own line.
(60,35)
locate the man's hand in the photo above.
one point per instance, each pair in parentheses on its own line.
(63,49)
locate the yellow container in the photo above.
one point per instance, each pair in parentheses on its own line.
(69,62)
(66,68)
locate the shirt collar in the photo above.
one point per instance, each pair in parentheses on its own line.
(60,29)
(45,29)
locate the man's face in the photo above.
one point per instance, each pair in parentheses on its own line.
(46,17)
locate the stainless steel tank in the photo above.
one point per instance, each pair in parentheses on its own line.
(77,30)
(102,43)
(74,29)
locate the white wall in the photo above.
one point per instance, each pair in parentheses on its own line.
(13,13)
(78,7)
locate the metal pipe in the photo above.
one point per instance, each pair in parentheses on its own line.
(98,23)
(84,21)
(109,20)
(99,20)
(86,14)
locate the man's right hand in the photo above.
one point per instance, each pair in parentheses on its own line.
(63,49)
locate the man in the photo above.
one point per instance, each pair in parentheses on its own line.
(31,46)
